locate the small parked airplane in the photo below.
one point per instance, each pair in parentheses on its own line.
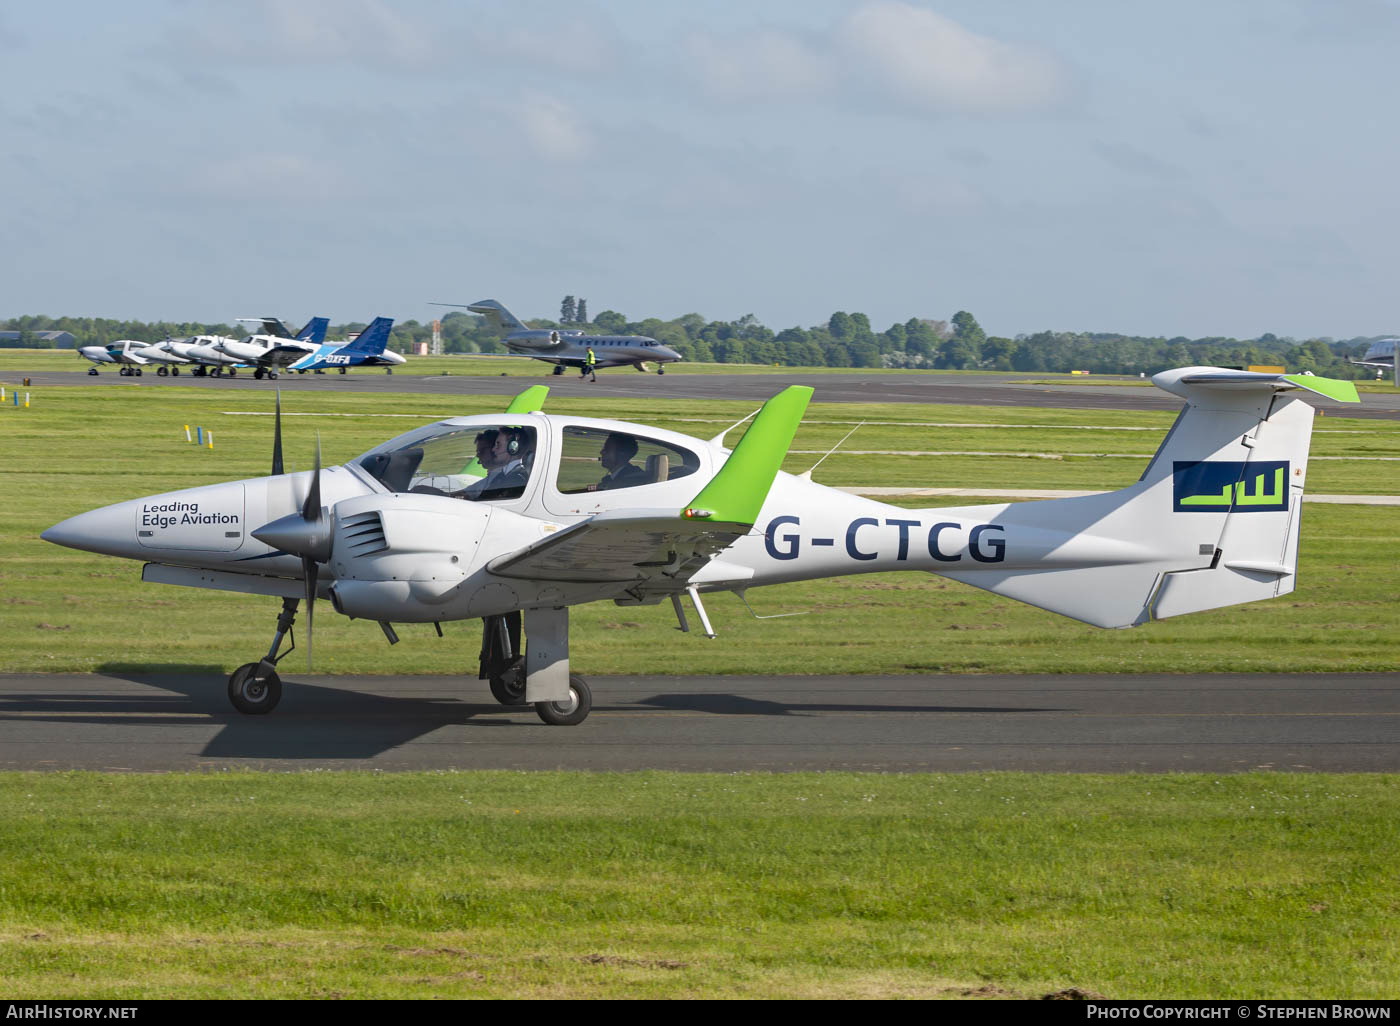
(569,348)
(411,532)
(126,355)
(367,349)
(273,348)
(205,353)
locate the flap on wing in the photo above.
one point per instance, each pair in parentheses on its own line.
(621,546)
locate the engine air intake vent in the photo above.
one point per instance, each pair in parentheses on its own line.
(363,533)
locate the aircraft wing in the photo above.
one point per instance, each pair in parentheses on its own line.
(623,546)
(662,549)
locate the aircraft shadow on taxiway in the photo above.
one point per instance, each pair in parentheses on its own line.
(743,705)
(314,721)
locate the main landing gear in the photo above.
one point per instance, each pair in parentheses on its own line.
(558,368)
(93,372)
(254,688)
(544,667)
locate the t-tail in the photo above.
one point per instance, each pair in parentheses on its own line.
(1212,522)
(502,321)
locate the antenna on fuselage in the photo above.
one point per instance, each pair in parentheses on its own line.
(719,438)
(808,472)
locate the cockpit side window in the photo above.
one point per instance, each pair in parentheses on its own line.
(594,460)
(476,463)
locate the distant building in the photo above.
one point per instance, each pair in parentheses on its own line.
(420,348)
(46,339)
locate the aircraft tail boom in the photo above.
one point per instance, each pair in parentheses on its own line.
(1212,522)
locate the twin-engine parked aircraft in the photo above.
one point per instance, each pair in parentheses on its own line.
(274,347)
(568,348)
(367,349)
(412,532)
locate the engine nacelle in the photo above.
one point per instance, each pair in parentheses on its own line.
(431,540)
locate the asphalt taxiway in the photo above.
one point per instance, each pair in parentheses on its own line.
(1101,723)
(920,387)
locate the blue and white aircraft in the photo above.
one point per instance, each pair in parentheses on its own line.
(367,349)
(275,347)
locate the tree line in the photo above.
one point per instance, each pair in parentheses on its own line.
(845,340)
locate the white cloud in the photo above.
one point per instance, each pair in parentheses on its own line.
(268,179)
(933,63)
(899,53)
(309,32)
(766,63)
(552,128)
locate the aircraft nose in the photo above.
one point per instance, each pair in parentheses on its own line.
(107,530)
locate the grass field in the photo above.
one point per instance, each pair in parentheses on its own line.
(670,885)
(78,448)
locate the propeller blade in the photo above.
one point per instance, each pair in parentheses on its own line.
(277,438)
(311,510)
(310,571)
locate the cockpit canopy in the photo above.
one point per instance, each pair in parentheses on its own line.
(480,462)
(496,460)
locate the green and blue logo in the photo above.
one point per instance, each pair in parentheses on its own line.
(1220,486)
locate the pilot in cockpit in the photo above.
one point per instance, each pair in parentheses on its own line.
(507,463)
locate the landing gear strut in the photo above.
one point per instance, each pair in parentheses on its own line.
(254,688)
(541,678)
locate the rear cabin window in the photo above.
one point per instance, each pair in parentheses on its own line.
(594,461)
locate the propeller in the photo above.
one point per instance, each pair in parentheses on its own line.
(305,533)
(310,569)
(277,438)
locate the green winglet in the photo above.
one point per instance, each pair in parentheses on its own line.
(529,401)
(1342,391)
(736,493)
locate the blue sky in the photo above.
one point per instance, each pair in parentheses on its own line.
(1193,168)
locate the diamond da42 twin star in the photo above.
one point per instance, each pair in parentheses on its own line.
(505,518)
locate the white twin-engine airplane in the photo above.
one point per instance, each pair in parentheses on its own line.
(493,516)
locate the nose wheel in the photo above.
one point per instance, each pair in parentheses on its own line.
(254,690)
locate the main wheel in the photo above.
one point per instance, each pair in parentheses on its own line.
(252,694)
(342,370)
(162,372)
(509,690)
(175,371)
(257,374)
(558,368)
(93,372)
(233,372)
(571,711)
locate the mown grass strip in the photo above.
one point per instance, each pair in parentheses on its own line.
(662,884)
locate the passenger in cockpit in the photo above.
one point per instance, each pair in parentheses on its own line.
(616,458)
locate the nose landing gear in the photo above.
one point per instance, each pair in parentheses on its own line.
(254,688)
